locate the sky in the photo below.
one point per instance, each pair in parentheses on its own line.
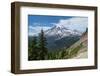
(38,22)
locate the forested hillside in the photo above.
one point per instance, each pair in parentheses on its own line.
(77,50)
(38,48)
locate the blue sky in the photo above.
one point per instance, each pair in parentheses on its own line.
(38,22)
(48,20)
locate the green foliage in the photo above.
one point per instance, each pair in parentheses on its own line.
(75,50)
(37,48)
(33,49)
(69,53)
(42,45)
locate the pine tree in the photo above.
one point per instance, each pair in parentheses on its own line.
(86,30)
(33,49)
(42,45)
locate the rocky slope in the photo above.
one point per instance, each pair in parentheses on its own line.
(75,51)
(79,49)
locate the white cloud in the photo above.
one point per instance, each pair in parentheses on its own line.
(35,30)
(42,24)
(79,23)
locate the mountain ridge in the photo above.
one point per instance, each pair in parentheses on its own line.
(58,35)
(61,31)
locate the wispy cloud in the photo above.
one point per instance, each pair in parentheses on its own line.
(79,23)
(41,24)
(34,30)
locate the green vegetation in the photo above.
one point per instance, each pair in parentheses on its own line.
(65,53)
(37,50)
(75,50)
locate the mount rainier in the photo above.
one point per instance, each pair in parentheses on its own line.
(60,36)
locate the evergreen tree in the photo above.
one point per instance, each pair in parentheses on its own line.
(33,49)
(42,45)
(86,30)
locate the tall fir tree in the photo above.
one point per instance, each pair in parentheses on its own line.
(33,49)
(42,45)
(86,30)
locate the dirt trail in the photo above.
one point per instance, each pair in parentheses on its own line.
(82,55)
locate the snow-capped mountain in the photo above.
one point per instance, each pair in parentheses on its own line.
(60,31)
(60,36)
